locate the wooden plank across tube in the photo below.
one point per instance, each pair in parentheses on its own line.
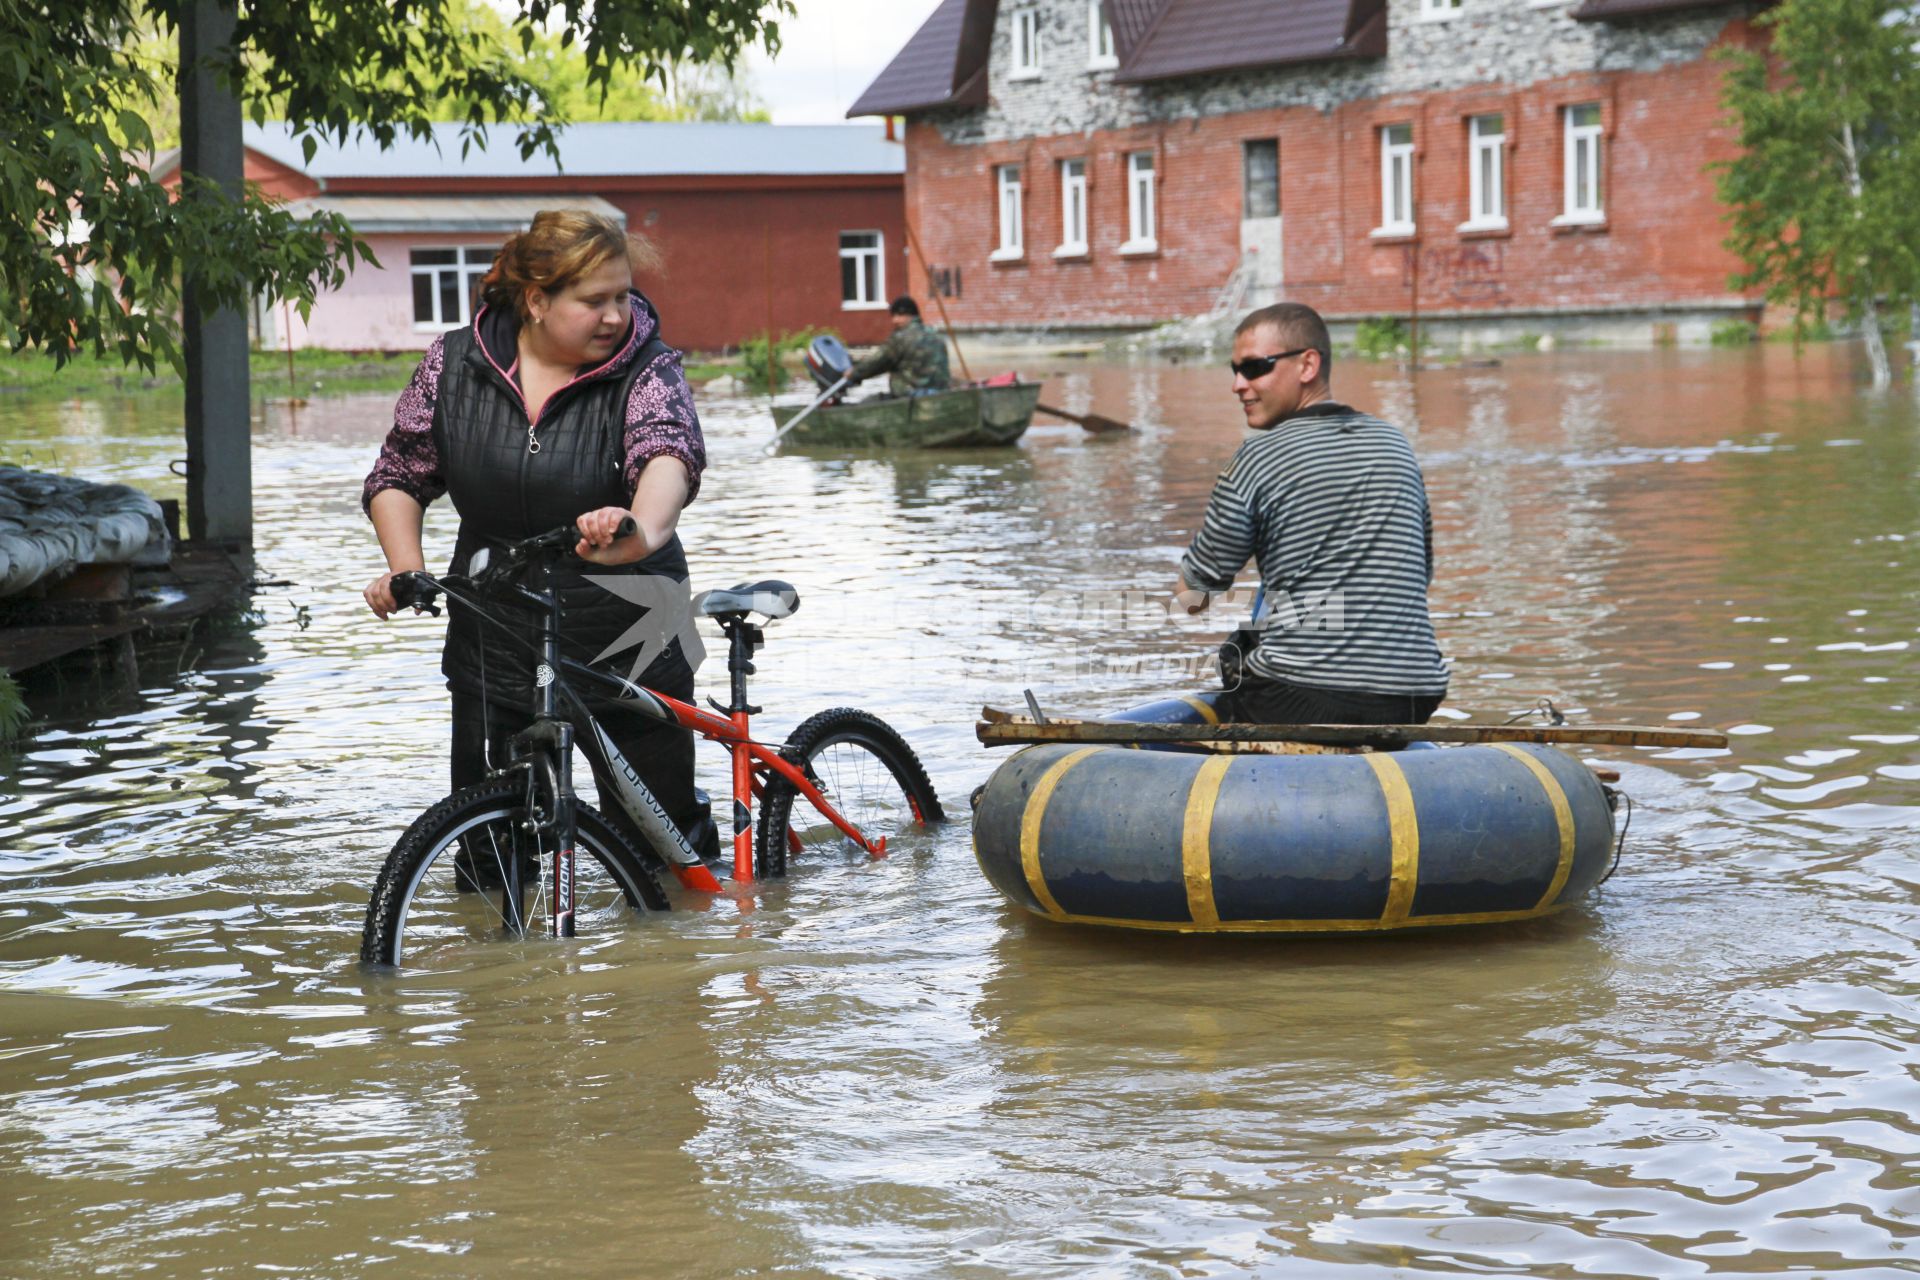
(1002,728)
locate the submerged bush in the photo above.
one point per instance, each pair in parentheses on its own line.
(1733,333)
(1810,329)
(13,709)
(754,358)
(1380,337)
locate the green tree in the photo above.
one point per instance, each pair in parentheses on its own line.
(557,66)
(686,91)
(1825,195)
(91,252)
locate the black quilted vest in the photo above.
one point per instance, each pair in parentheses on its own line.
(504,492)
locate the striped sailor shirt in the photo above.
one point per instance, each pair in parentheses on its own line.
(1331,505)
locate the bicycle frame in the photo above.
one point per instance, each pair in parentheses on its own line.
(754,763)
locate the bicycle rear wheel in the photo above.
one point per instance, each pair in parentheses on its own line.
(444,884)
(866,771)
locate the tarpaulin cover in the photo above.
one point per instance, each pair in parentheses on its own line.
(51,525)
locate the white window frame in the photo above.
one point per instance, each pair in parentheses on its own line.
(1439,10)
(874,257)
(469,264)
(1073,209)
(1102,54)
(1486,174)
(1012,214)
(1396,217)
(1143,204)
(1584,159)
(1027,62)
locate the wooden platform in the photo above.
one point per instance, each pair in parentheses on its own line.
(110,613)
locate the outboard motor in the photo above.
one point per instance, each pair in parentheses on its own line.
(827,360)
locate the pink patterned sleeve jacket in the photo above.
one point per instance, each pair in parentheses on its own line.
(660,420)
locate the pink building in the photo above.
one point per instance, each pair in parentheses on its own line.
(761,227)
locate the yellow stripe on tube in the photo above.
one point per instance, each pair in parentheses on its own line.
(1030,820)
(1562,816)
(1404,830)
(1196,844)
(1201,705)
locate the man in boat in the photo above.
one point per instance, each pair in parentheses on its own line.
(914,356)
(1331,506)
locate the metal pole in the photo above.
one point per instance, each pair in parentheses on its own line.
(214,341)
(773,342)
(286,319)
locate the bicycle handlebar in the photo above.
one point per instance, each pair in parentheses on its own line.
(414,590)
(417,590)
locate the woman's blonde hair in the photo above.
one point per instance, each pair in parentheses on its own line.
(561,246)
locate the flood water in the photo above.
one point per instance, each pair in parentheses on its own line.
(879,1069)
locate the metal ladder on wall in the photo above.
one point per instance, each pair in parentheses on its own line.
(1205,330)
(1233,294)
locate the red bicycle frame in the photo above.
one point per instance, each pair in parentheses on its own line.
(754,763)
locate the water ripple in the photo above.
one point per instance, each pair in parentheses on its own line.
(878,1069)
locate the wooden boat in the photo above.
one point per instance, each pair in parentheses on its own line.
(1331,843)
(965,417)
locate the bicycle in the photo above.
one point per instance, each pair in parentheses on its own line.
(515,836)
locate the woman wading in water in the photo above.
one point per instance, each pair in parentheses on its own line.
(559,404)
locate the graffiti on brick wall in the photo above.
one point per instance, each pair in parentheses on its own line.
(943,282)
(1471,272)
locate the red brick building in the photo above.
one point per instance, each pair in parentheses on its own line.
(1504,165)
(760,227)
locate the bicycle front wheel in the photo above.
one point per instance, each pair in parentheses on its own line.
(866,771)
(444,886)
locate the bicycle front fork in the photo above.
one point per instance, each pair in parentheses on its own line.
(547,748)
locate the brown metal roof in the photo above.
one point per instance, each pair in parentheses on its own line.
(943,65)
(1195,37)
(1131,19)
(1592,9)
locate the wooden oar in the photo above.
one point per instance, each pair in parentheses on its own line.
(1000,728)
(913,243)
(801,417)
(1091,421)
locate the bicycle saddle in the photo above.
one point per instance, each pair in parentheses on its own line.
(771,599)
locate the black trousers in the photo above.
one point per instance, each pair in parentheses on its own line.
(661,754)
(1258,701)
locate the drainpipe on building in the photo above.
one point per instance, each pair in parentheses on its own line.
(1413,322)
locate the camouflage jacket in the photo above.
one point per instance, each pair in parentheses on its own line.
(915,356)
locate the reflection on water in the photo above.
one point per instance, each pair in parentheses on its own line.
(879,1070)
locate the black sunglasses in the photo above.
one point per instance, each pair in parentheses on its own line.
(1260,366)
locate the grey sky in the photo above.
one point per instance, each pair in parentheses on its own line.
(831,51)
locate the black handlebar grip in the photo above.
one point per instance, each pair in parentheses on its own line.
(410,591)
(627,527)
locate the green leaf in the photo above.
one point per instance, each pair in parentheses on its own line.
(98,74)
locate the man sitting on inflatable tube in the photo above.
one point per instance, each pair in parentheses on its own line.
(1330,505)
